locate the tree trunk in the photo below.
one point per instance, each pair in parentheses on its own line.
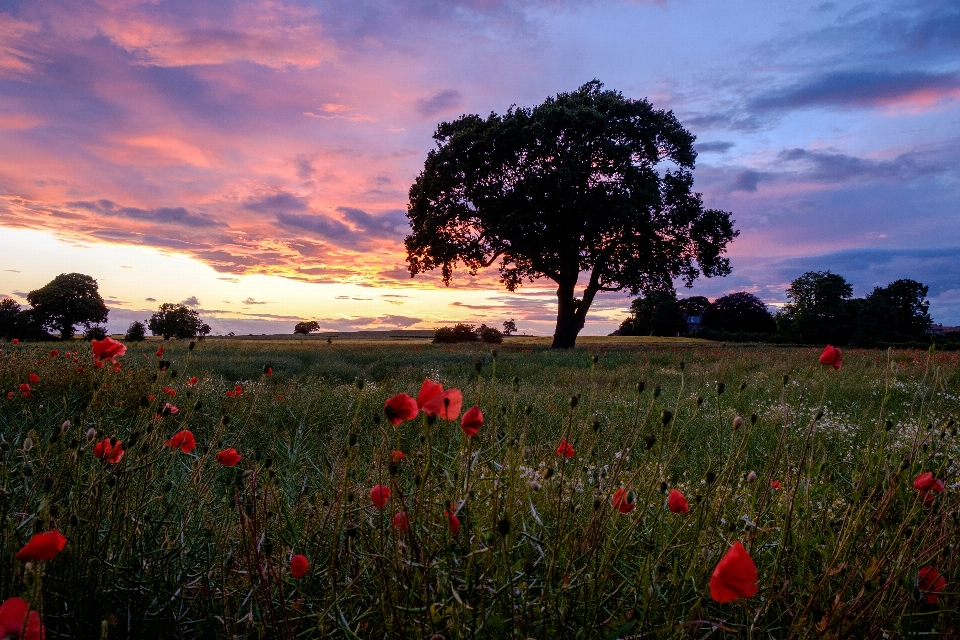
(569,320)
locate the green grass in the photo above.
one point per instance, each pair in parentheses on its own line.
(165,544)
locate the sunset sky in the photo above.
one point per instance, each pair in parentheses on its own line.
(253,158)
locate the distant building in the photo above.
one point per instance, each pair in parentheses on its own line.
(693,323)
(939,329)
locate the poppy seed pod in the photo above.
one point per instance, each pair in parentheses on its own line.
(721,387)
(753,418)
(786,379)
(737,423)
(528,409)
(640,387)
(711,477)
(596,425)
(682,365)
(27,469)
(574,401)
(656,391)
(650,440)
(503,527)
(666,417)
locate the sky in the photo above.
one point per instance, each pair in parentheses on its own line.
(253,159)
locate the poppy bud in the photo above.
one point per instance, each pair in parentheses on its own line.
(267,463)
(27,443)
(752,476)
(144,401)
(376,418)
(74,443)
(753,418)
(351,530)
(225,420)
(721,388)
(431,420)
(248,508)
(493,354)
(528,567)
(503,527)
(27,469)
(737,423)
(164,365)
(640,387)
(478,366)
(699,401)
(54,437)
(650,440)
(786,378)
(423,438)
(711,476)
(528,409)
(574,401)
(74,520)
(656,391)
(417,480)
(682,365)
(663,487)
(549,473)
(360,383)
(111,480)
(64,426)
(516,384)
(152,379)
(173,374)
(596,425)
(666,417)
(191,346)
(268,547)
(596,505)
(392,468)
(168,486)
(54,510)
(351,439)
(47,483)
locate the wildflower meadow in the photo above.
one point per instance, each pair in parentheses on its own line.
(625,489)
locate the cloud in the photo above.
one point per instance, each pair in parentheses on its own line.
(150,299)
(390,224)
(162,215)
(714,147)
(863,89)
(191,302)
(746,180)
(439,103)
(252,301)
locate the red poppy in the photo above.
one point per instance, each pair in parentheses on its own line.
(192,381)
(17,621)
(776,485)
(25,390)
(98,364)
(929,486)
(428,390)
(930,583)
(677,503)
(151,397)
(15,341)
(453,521)
(183,440)
(831,356)
(397,456)
(624,501)
(399,408)
(229,457)
(472,421)
(42,546)
(299,566)
(379,495)
(33,378)
(229,394)
(54,353)
(565,449)
(447,405)
(735,576)
(159,352)
(238,390)
(269,371)
(279,396)
(107,349)
(108,452)
(400,521)
(172,409)
(9,395)
(169,391)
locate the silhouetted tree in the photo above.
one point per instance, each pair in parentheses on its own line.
(509,327)
(569,187)
(694,305)
(657,314)
(174,320)
(741,311)
(11,319)
(66,301)
(895,313)
(818,310)
(136,332)
(306,328)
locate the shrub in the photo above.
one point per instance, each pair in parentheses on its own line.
(457,333)
(95,332)
(491,335)
(136,332)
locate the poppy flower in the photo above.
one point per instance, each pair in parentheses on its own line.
(159,352)
(54,353)
(299,566)
(776,485)
(25,390)
(397,456)
(929,487)
(15,341)
(472,421)
(831,356)
(42,546)
(98,364)
(428,391)
(238,390)
(9,395)
(677,503)
(447,405)
(107,349)
(379,496)
(565,449)
(229,457)
(269,371)
(930,583)
(624,501)
(151,397)
(400,521)
(169,391)
(183,440)
(17,621)
(111,453)
(453,521)
(399,408)
(192,381)
(735,576)
(172,409)
(229,394)
(33,378)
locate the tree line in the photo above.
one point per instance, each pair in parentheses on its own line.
(73,300)
(820,309)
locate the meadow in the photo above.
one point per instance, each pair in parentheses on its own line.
(519,531)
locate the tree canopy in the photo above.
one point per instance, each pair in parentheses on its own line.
(66,301)
(176,321)
(589,182)
(740,311)
(818,310)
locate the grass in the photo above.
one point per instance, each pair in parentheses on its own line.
(168,544)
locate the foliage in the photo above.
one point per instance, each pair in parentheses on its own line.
(95,332)
(570,186)
(457,333)
(11,320)
(898,312)
(490,335)
(176,321)
(136,332)
(657,314)
(509,327)
(818,311)
(66,301)
(694,305)
(741,311)
(305,328)
(165,544)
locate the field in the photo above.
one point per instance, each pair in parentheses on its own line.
(812,469)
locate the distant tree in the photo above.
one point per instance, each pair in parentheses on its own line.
(626,328)
(509,327)
(203,330)
(741,311)
(136,332)
(491,335)
(457,333)
(898,312)
(66,301)
(694,305)
(658,314)
(819,310)
(174,321)
(11,319)
(570,187)
(307,327)
(95,332)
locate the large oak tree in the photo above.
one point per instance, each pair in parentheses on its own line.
(588,182)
